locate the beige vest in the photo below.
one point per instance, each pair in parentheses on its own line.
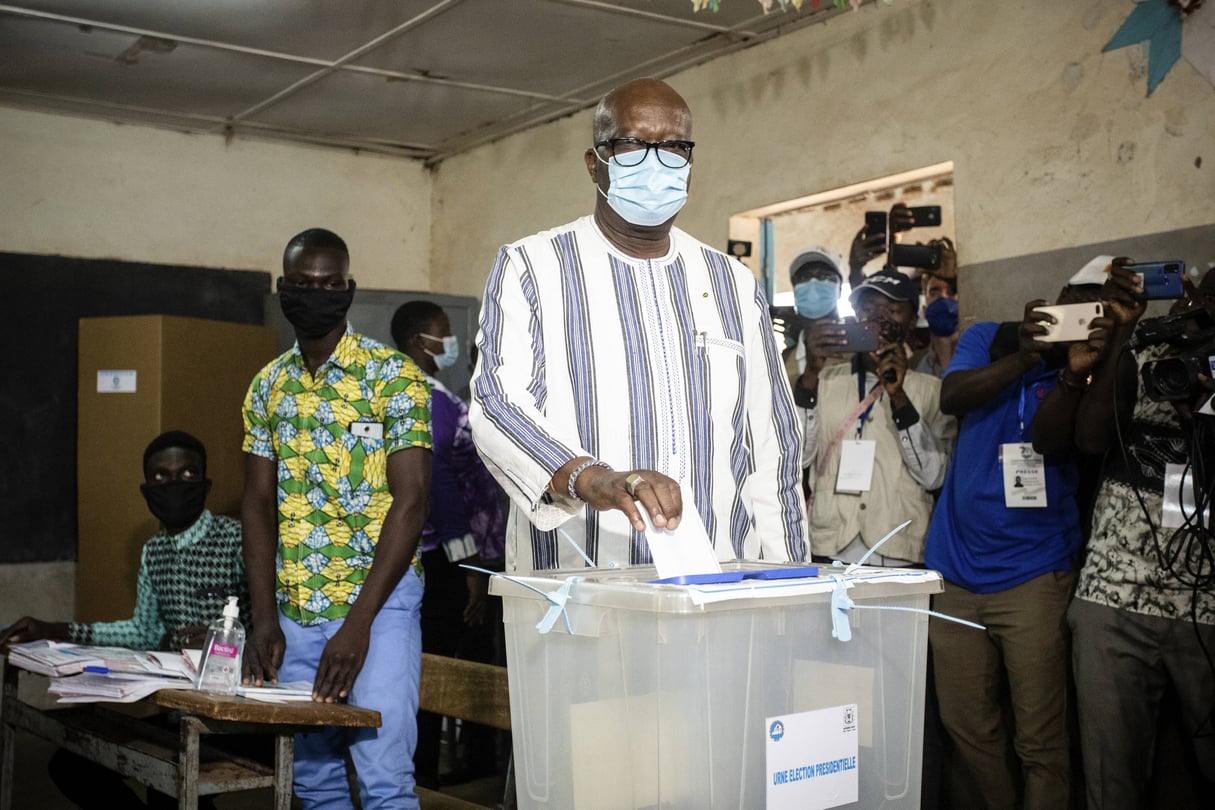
(894,495)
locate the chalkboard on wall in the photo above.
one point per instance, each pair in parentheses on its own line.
(45,297)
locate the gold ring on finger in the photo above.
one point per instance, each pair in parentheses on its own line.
(631,483)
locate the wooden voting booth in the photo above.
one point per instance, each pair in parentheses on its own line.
(138,377)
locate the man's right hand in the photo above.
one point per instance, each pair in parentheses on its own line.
(263,656)
(605,489)
(865,248)
(824,338)
(1031,329)
(27,628)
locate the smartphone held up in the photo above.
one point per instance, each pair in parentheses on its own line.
(1072,322)
(859,337)
(1161,280)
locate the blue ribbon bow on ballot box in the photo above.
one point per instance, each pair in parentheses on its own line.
(840,603)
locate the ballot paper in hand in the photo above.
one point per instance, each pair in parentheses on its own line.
(686,550)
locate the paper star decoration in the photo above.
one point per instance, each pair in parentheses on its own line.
(1159,23)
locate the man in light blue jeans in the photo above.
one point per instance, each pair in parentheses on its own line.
(393,667)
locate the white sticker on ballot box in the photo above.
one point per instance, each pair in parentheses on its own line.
(811,759)
(367,430)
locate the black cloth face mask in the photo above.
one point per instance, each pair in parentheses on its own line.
(315,312)
(176,504)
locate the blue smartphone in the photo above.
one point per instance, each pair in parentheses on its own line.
(1161,280)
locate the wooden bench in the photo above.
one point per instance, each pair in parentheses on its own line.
(469,691)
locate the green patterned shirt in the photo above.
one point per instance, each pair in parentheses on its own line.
(185,579)
(330,435)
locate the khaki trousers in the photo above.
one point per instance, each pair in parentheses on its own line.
(1021,661)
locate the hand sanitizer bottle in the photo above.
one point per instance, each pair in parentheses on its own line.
(219,669)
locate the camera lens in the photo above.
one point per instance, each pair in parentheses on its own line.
(1167,380)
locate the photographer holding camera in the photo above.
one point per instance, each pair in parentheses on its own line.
(1143,616)
(1006,550)
(875,441)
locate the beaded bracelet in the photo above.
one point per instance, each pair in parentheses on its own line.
(578,471)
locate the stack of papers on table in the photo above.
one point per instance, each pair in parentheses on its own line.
(112,687)
(53,658)
(140,662)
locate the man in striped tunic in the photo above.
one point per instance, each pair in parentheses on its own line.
(626,366)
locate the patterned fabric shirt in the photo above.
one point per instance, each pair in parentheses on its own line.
(184,579)
(330,435)
(667,364)
(1122,565)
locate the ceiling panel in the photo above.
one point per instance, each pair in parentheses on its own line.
(421,78)
(322,29)
(390,110)
(123,69)
(531,45)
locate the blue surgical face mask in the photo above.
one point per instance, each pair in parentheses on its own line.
(646,194)
(942,316)
(815,298)
(451,350)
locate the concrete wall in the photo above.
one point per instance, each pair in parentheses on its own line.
(1053,142)
(97,190)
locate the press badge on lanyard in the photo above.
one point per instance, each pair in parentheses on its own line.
(1024,470)
(856,466)
(856,456)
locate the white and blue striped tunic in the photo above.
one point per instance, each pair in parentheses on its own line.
(666,364)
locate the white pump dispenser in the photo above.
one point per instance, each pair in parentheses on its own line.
(219,669)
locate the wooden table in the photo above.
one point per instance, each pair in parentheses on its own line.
(115,736)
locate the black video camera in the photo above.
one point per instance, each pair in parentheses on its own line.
(1175,378)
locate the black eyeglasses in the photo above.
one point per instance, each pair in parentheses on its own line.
(632,151)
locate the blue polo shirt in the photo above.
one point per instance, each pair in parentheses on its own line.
(974,540)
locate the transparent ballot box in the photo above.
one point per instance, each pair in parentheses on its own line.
(630,694)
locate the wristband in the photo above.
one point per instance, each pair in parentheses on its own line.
(1071,382)
(591,462)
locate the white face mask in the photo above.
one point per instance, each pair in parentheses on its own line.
(451,350)
(646,194)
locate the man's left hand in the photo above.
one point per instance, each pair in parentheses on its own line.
(891,372)
(1122,294)
(341,662)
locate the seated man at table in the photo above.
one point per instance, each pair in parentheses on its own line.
(187,571)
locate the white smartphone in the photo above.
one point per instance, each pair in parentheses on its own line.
(1072,321)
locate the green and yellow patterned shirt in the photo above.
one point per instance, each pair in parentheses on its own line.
(330,435)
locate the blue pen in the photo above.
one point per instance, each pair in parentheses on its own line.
(102,670)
